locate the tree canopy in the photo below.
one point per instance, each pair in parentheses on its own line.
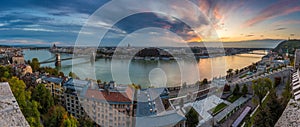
(244,90)
(43,96)
(28,107)
(59,117)
(35,64)
(5,73)
(192,118)
(236,90)
(269,113)
(260,87)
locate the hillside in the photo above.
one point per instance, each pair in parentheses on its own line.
(289,45)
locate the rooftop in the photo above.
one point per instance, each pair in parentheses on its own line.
(10,113)
(75,86)
(170,119)
(53,79)
(150,102)
(107,96)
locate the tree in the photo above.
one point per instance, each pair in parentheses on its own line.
(5,73)
(269,113)
(260,88)
(262,119)
(28,107)
(28,62)
(244,90)
(86,122)
(61,74)
(192,118)
(252,67)
(18,88)
(33,114)
(73,75)
(57,116)
(277,81)
(205,81)
(275,106)
(99,81)
(226,88)
(237,71)
(43,96)
(286,94)
(69,121)
(229,72)
(49,70)
(35,64)
(236,90)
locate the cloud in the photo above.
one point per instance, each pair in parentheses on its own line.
(22,41)
(286,22)
(135,22)
(249,35)
(2,24)
(282,28)
(279,8)
(218,11)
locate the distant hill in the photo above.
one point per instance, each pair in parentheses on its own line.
(289,45)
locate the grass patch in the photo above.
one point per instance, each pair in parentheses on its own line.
(219,108)
(232,98)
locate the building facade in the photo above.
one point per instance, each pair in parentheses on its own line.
(72,90)
(109,107)
(55,86)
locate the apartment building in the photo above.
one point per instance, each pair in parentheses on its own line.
(113,105)
(55,86)
(72,90)
(109,107)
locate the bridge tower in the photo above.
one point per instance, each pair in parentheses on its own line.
(93,57)
(58,60)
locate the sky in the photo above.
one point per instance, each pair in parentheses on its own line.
(45,22)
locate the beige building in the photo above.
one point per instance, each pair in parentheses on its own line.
(112,105)
(54,84)
(72,90)
(18,60)
(109,108)
(22,69)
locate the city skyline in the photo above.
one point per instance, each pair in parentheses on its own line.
(59,22)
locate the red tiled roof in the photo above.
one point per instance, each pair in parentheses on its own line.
(111,97)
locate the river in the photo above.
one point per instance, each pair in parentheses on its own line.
(145,72)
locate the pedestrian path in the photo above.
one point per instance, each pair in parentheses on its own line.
(231,108)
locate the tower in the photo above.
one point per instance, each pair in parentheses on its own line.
(58,60)
(93,57)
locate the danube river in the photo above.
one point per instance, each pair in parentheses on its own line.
(147,72)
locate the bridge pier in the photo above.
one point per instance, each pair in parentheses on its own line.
(58,60)
(93,58)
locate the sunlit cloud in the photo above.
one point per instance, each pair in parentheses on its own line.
(279,8)
(61,21)
(280,28)
(249,35)
(286,22)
